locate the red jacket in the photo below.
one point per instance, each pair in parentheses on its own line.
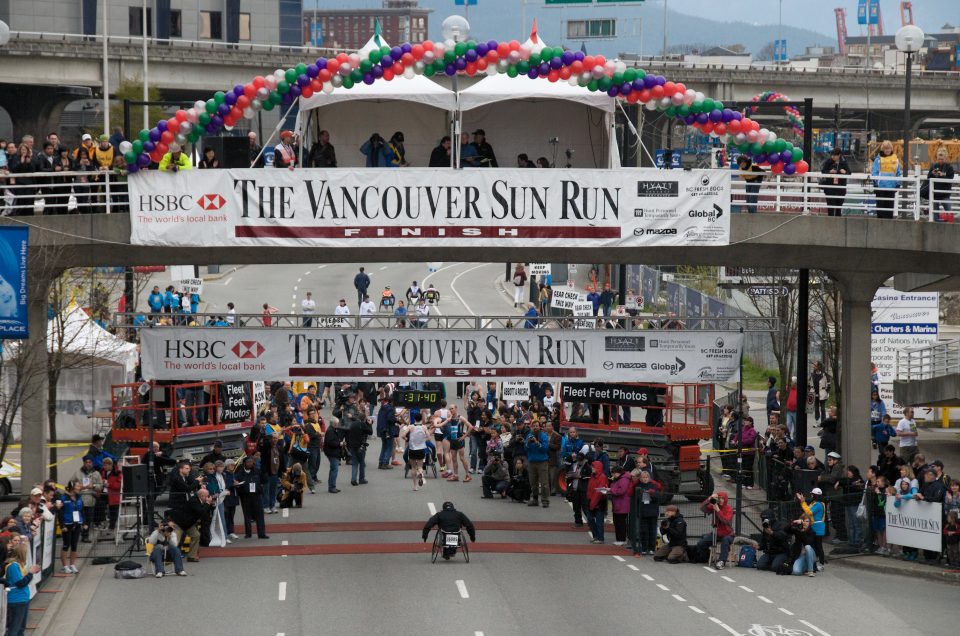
(792,400)
(597,480)
(114,481)
(722,515)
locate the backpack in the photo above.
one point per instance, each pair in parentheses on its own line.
(748,557)
(128,570)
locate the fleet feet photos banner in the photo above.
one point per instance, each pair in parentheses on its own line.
(418,207)
(233,355)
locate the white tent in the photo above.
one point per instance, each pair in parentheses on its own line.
(82,337)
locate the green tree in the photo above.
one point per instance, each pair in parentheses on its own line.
(133,90)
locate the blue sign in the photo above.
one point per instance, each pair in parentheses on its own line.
(675,158)
(13,283)
(316,34)
(779,50)
(460,3)
(868,10)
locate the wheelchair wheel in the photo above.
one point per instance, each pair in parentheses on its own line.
(437,548)
(464,549)
(433,467)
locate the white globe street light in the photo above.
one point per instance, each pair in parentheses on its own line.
(4,33)
(909,40)
(455,28)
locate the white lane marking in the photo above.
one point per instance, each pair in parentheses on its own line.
(708,569)
(696,609)
(619,558)
(679,598)
(294,296)
(727,579)
(785,611)
(589,534)
(299,280)
(814,628)
(746,589)
(462,587)
(765,599)
(286,513)
(647,576)
(477,633)
(227,282)
(280,634)
(283,590)
(454,289)
(284,542)
(633,567)
(384,267)
(663,587)
(431,508)
(296,287)
(724,626)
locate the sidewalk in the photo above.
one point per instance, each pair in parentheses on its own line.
(889,565)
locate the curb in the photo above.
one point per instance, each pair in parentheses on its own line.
(878,565)
(223,273)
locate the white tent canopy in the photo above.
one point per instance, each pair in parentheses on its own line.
(419,90)
(501,87)
(82,337)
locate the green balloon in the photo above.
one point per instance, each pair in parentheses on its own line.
(282,87)
(275,98)
(767,147)
(707,105)
(604,83)
(365,66)
(460,48)
(428,70)
(797,154)
(523,66)
(301,68)
(512,71)
(593,86)
(203,118)
(756,147)
(218,97)
(347,82)
(384,50)
(535,59)
(290,76)
(697,106)
(211,106)
(144,135)
(375,56)
(717,105)
(684,110)
(137,147)
(629,75)
(356,75)
(671,111)
(267,105)
(780,145)
(471,44)
(130,156)
(449,56)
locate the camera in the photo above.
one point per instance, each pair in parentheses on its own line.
(713,500)
(554,140)
(167,529)
(766,523)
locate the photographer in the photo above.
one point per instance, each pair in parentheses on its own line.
(495,478)
(165,543)
(722,518)
(357,429)
(188,518)
(249,490)
(292,485)
(334,450)
(537,446)
(578,480)
(674,531)
(802,553)
(774,543)
(817,513)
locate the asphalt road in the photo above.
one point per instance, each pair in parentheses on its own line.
(378,579)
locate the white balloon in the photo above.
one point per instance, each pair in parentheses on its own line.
(354,59)
(502,66)
(619,66)
(771,136)
(664,102)
(185,127)
(181,139)
(125,147)
(345,69)
(248,113)
(574,80)
(449,44)
(492,69)
(408,72)
(271,82)
(337,81)
(280,74)
(256,105)
(429,56)
(525,53)
(740,138)
(418,67)
(598,72)
(328,86)
(698,96)
(263,93)
(677,99)
(192,115)
(513,57)
(651,105)
(752,136)
(438,50)
(200,105)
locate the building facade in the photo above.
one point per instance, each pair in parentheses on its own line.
(349,29)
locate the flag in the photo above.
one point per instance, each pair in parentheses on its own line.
(583,48)
(376,32)
(122,305)
(533,32)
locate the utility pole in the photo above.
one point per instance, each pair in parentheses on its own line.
(106,81)
(665,2)
(146,76)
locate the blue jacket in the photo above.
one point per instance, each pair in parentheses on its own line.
(69,507)
(877,410)
(594,298)
(156,302)
(228,481)
(18,582)
(569,448)
(537,453)
(194,303)
(531,321)
(386,420)
(99,457)
(170,301)
(886,167)
(376,157)
(818,511)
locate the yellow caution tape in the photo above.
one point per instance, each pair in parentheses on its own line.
(58,445)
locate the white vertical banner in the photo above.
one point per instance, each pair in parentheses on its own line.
(583,312)
(539,269)
(515,391)
(900,320)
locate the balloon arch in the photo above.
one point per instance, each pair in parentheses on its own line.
(530,59)
(773,97)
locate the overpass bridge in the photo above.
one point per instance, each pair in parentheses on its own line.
(40,65)
(860,253)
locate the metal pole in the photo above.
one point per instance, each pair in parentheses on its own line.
(106,83)
(126,114)
(150,459)
(779,33)
(665,28)
(803,324)
(906,115)
(622,283)
(146,79)
(739,519)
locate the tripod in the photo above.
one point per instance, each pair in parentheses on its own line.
(138,541)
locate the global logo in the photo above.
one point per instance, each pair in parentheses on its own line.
(211,202)
(246,349)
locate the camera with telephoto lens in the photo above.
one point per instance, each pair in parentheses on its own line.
(713,500)
(766,523)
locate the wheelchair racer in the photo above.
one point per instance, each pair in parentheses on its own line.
(449,520)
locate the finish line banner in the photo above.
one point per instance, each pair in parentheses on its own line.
(418,207)
(197,353)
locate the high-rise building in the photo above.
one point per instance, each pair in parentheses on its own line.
(349,29)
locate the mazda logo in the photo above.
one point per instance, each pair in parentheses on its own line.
(607,365)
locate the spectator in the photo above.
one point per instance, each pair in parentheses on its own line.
(361,282)
(102,154)
(792,408)
(773,397)
(556,441)
(940,190)
(115,139)
(394,152)
(254,152)
(644,509)
(803,552)
(524,162)
(543,162)
(818,517)
(375,151)
(834,187)
(674,531)
(722,522)
(86,143)
(388,430)
(852,485)
(166,546)
(230,498)
(342,309)
(531,321)
(357,429)
(72,525)
(485,154)
(322,153)
(907,432)
(400,313)
(440,156)
(249,485)
(22,163)
(746,438)
(597,491)
(951,539)
(95,450)
(829,482)
(334,449)
(752,174)
(537,446)
(266,316)
(621,491)
(607,298)
(519,489)
(18,578)
(284,156)
(519,283)
(469,158)
(209,160)
(887,172)
(113,479)
(495,477)
(175,160)
(91,489)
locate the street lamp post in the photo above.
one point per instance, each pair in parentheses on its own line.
(455,28)
(909,40)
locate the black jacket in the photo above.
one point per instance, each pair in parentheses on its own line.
(181,488)
(332,442)
(800,539)
(357,433)
(242,480)
(190,513)
(213,458)
(933,491)
(941,171)
(676,531)
(450,521)
(777,542)
(828,168)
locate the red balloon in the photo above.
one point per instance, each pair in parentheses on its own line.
(173,124)
(156,155)
(249,90)
(514,45)
(407,59)
(397,68)
(181,115)
(565,73)
(242,102)
(707,127)
(417,51)
(387,74)
(492,56)
(681,88)
(307,91)
(471,68)
(633,97)
(734,126)
(802,166)
(720,128)
(644,95)
(553,75)
(324,76)
(236,113)
(657,92)
(316,85)
(589,62)
(776,168)
(482,64)
(669,88)
(576,67)
(342,58)
(599,60)
(259,82)
(503,49)
(166,136)
(427,45)
(332,67)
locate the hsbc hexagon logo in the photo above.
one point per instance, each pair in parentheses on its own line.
(211,202)
(246,349)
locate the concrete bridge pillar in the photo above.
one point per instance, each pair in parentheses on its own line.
(33,410)
(857,290)
(36,110)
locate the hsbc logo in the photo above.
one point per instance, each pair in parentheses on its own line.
(211,202)
(246,349)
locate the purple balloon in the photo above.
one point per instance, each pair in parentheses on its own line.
(702,118)
(143,160)
(638,85)
(737,116)
(386,61)
(405,47)
(556,63)
(321,62)
(211,129)
(289,97)
(162,126)
(302,81)
(313,70)
(786,156)
(217,121)
(773,157)
(238,90)
(544,68)
(661,80)
(789,168)
(223,110)
(294,92)
(155,134)
(727,114)
(377,71)
(716,116)
(626,88)
(132,167)
(492,45)
(760,158)
(460,63)
(230,99)
(483,49)
(471,55)
(567,58)
(149,146)
(613,91)
(396,52)
(450,70)
(578,55)
(689,119)
(533,73)
(368,78)
(649,81)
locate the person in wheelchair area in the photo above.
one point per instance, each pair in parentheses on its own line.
(449,520)
(387,299)
(431,295)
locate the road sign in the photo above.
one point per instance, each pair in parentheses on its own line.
(780,51)
(659,158)
(868,10)
(460,3)
(767,290)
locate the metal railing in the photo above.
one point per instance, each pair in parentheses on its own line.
(771,67)
(391,321)
(914,197)
(925,363)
